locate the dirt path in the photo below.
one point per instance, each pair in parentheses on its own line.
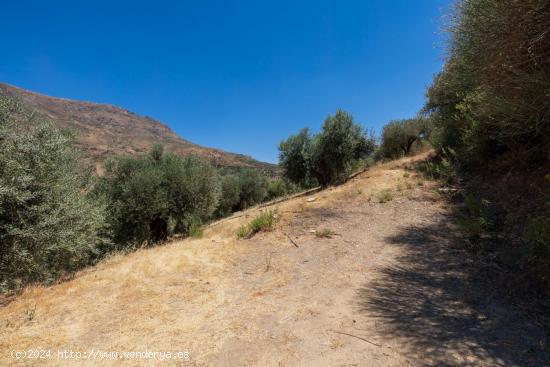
(391,288)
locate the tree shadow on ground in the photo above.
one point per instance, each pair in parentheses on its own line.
(431,297)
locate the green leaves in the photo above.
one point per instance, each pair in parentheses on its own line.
(492,95)
(153,195)
(49,224)
(399,136)
(328,156)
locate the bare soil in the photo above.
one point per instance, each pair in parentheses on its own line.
(391,287)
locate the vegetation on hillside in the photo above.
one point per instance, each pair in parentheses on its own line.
(265,221)
(490,110)
(55,217)
(152,196)
(491,98)
(328,157)
(400,136)
(49,224)
(487,113)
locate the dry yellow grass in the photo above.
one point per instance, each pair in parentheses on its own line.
(176,297)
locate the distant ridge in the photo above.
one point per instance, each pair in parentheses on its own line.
(104,131)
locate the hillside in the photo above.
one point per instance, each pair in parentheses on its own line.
(391,287)
(105,131)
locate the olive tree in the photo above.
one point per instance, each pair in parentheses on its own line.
(150,196)
(49,224)
(329,156)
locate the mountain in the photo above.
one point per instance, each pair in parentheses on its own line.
(104,131)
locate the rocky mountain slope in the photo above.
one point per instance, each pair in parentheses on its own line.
(105,131)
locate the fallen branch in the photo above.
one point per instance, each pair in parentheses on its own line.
(358,337)
(291,240)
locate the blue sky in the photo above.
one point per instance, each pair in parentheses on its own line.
(240,75)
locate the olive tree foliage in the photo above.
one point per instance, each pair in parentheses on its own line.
(280,187)
(327,157)
(247,188)
(230,195)
(152,196)
(49,224)
(253,187)
(294,156)
(399,136)
(492,96)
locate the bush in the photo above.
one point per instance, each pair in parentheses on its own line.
(327,157)
(263,222)
(537,242)
(49,224)
(325,233)
(474,220)
(440,167)
(385,196)
(194,229)
(492,95)
(152,196)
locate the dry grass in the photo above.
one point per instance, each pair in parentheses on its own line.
(166,298)
(386,195)
(325,233)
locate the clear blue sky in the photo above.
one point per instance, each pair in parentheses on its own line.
(239,75)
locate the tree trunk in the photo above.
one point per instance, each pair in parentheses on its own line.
(159,229)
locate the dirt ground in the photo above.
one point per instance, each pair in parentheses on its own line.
(391,287)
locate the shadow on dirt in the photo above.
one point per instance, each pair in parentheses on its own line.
(431,297)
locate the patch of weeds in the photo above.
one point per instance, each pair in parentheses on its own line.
(537,247)
(536,241)
(440,168)
(268,263)
(30,312)
(408,185)
(359,192)
(474,220)
(194,229)
(263,222)
(242,232)
(406,175)
(419,183)
(325,233)
(384,196)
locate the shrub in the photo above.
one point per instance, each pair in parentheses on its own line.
(325,233)
(474,220)
(49,224)
(194,229)
(152,195)
(537,242)
(385,196)
(440,167)
(491,97)
(263,222)
(329,156)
